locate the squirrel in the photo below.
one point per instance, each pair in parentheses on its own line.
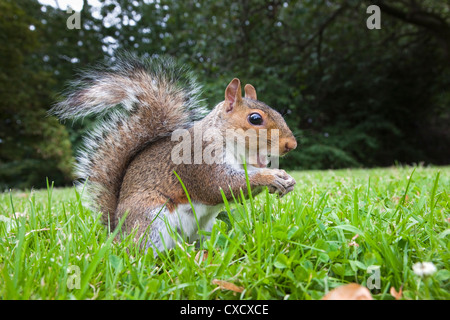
(127,162)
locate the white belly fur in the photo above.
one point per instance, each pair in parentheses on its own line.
(183,222)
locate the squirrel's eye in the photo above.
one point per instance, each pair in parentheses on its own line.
(255,119)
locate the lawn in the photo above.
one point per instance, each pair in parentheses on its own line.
(343,226)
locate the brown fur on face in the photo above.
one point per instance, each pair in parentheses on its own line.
(236,111)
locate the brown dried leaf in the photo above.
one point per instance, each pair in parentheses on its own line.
(39,230)
(225,285)
(395,294)
(352,291)
(201,256)
(398,199)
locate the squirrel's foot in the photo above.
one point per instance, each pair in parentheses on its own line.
(280,182)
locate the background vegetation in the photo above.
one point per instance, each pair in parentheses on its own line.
(355,97)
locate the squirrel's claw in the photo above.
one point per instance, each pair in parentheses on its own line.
(282,183)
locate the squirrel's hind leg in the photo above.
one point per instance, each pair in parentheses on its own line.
(162,228)
(171,226)
(161,233)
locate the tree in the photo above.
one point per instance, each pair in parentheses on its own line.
(33,145)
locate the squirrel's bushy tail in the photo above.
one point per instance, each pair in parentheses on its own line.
(138,101)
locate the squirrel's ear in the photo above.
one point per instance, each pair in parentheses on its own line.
(233,94)
(250,92)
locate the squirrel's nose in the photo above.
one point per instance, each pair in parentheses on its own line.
(290,145)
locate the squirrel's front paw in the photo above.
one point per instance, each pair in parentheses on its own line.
(281,183)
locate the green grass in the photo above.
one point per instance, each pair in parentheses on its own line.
(294,248)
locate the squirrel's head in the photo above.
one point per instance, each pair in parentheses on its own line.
(265,131)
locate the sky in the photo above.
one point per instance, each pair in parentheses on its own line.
(76,5)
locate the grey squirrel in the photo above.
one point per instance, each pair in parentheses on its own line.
(128,162)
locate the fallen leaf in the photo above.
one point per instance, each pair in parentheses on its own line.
(352,291)
(395,294)
(201,256)
(398,199)
(225,285)
(39,230)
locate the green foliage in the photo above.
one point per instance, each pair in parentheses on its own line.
(319,156)
(32,145)
(331,230)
